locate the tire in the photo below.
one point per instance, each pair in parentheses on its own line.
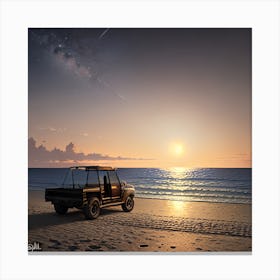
(128,205)
(60,209)
(92,209)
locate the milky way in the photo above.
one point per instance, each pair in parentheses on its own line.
(75,53)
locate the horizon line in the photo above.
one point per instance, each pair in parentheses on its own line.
(156,167)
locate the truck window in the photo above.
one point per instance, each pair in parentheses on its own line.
(115,185)
(104,183)
(113,178)
(68,182)
(92,178)
(102,176)
(80,177)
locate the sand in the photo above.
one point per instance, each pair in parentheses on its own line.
(153,226)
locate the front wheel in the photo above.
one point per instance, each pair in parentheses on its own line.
(128,205)
(92,209)
(60,209)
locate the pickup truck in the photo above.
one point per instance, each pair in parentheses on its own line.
(91,188)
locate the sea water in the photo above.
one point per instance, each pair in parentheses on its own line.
(228,185)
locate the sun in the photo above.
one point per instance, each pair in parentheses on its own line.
(177,149)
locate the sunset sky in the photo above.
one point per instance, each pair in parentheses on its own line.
(139,97)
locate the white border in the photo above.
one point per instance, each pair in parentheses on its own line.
(262,16)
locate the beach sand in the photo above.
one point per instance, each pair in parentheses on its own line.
(153,226)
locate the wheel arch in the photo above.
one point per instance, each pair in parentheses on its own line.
(128,193)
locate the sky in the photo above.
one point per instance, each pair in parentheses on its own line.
(146,97)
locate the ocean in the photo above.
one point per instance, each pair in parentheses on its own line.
(227,185)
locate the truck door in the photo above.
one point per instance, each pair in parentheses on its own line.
(115,184)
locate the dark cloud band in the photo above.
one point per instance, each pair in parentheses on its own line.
(39,154)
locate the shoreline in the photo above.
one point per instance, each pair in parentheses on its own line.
(154,225)
(192,201)
(156,198)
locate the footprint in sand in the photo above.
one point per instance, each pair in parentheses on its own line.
(143,245)
(54,247)
(111,247)
(198,249)
(72,248)
(94,247)
(173,247)
(55,241)
(85,240)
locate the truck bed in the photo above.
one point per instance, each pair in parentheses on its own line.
(66,196)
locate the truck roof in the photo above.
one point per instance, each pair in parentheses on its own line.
(104,168)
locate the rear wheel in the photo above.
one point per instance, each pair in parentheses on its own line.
(128,205)
(92,209)
(60,209)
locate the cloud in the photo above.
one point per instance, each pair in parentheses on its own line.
(85,134)
(39,156)
(53,129)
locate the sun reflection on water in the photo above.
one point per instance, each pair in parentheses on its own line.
(178,172)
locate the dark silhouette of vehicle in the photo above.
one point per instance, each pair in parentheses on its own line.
(90,188)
